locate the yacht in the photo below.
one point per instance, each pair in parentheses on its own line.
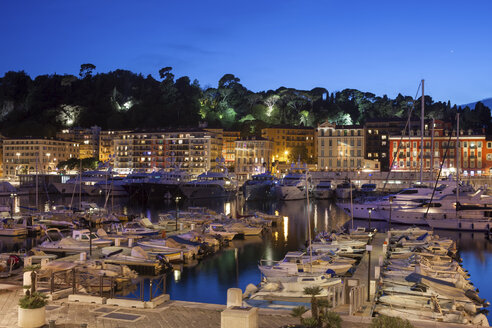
(407,198)
(84,183)
(165,184)
(323,190)
(293,185)
(217,182)
(260,187)
(344,189)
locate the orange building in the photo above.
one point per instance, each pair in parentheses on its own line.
(286,138)
(440,147)
(228,147)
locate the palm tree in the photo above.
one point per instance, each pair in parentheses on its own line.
(298,311)
(331,320)
(313,291)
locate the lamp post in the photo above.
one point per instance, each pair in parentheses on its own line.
(370,211)
(369,249)
(18,161)
(48,154)
(177,199)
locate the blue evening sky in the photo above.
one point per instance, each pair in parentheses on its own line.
(384,47)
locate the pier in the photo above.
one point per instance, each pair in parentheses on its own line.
(361,275)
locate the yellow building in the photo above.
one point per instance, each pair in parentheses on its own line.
(286,139)
(26,154)
(106,144)
(88,139)
(253,156)
(340,147)
(229,145)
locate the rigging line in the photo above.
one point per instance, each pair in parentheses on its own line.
(438,175)
(401,139)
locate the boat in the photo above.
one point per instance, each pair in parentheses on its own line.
(214,183)
(165,184)
(219,230)
(244,229)
(84,183)
(296,184)
(345,189)
(323,190)
(260,187)
(9,228)
(159,246)
(298,262)
(84,235)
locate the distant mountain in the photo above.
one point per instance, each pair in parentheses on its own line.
(487,102)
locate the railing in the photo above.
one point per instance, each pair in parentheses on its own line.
(357,297)
(336,295)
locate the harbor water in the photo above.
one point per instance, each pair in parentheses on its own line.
(236,266)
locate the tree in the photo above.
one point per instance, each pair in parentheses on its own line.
(298,312)
(314,291)
(86,70)
(165,73)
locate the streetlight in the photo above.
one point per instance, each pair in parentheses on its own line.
(177,199)
(370,211)
(18,161)
(48,154)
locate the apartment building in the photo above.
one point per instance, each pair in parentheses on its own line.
(377,133)
(439,146)
(340,147)
(193,150)
(88,139)
(252,156)
(229,147)
(28,155)
(106,144)
(286,138)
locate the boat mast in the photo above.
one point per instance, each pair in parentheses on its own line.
(37,182)
(458,157)
(309,222)
(80,184)
(432,150)
(422,133)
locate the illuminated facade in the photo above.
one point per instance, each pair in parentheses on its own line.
(193,150)
(253,156)
(88,139)
(285,139)
(26,154)
(106,144)
(340,147)
(229,147)
(440,148)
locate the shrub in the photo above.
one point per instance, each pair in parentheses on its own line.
(33,300)
(384,321)
(331,320)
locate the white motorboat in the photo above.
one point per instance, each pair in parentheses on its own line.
(296,262)
(220,230)
(84,183)
(172,253)
(217,182)
(84,235)
(295,184)
(244,229)
(260,187)
(323,190)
